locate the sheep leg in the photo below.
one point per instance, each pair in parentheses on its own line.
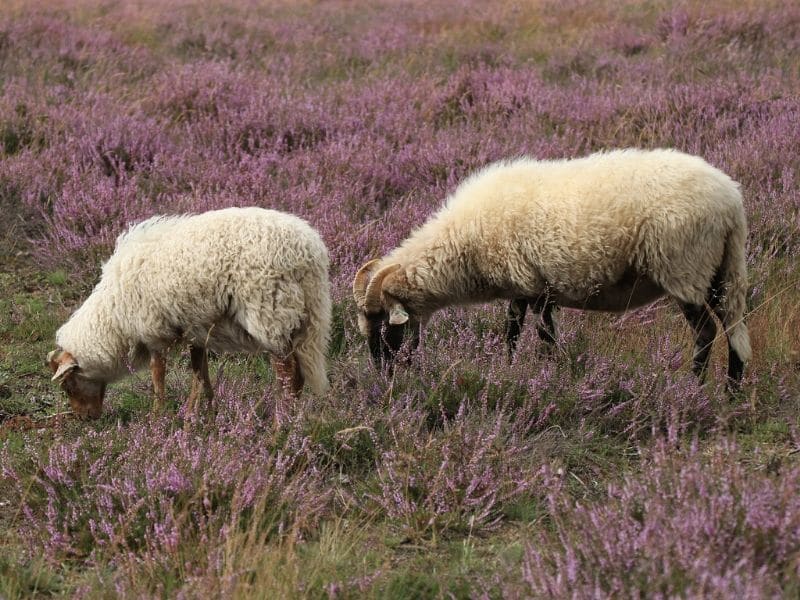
(290,378)
(158,369)
(200,380)
(705,330)
(514,322)
(735,362)
(416,333)
(546,327)
(735,369)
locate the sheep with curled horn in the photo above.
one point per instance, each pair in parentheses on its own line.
(611,231)
(232,280)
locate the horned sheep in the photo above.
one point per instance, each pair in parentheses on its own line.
(231,280)
(608,232)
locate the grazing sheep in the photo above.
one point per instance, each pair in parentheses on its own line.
(232,280)
(609,232)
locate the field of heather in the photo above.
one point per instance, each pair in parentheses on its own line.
(601,470)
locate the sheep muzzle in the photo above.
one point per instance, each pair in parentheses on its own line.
(85,395)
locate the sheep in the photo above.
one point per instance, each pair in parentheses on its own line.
(608,232)
(231,280)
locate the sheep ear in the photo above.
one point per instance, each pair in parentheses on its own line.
(64,369)
(398,315)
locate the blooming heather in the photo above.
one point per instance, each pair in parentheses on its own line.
(600,469)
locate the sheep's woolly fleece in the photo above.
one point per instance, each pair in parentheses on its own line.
(237,279)
(573,227)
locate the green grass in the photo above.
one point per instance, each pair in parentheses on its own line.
(349,448)
(28,579)
(28,320)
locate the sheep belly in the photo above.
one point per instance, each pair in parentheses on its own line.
(632,290)
(224,336)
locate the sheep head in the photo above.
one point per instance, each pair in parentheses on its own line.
(383,315)
(85,395)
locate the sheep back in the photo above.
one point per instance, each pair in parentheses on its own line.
(577,225)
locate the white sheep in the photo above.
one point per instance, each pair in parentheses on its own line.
(232,280)
(609,232)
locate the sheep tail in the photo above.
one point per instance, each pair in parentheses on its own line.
(732,291)
(311,343)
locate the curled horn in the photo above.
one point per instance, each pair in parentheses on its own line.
(372,298)
(361,280)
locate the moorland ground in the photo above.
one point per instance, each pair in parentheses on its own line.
(602,470)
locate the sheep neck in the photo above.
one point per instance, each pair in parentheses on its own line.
(440,273)
(94,335)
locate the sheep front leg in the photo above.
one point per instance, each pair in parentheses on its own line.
(200,379)
(546,328)
(290,378)
(158,369)
(514,321)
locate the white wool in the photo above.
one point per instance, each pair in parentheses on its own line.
(575,227)
(237,279)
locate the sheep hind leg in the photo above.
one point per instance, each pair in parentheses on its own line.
(705,331)
(735,362)
(200,379)
(158,369)
(290,377)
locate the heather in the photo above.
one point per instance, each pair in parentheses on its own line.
(690,525)
(602,469)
